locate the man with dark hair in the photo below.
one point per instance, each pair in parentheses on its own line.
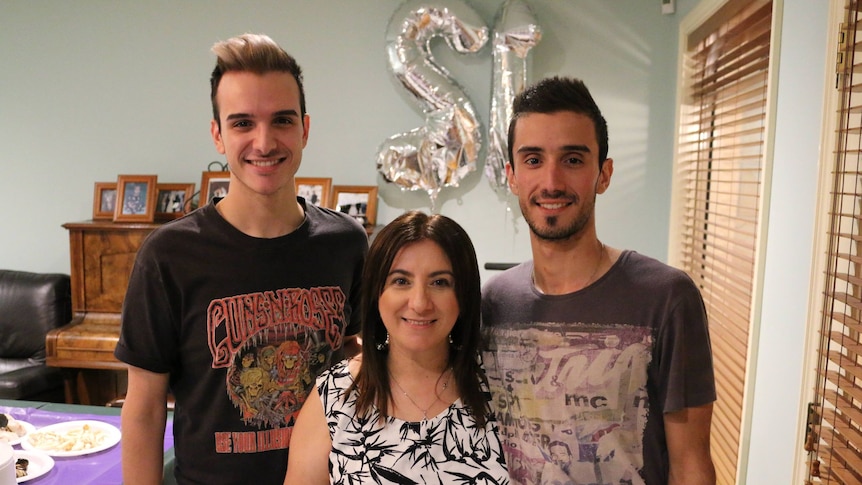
(623,373)
(248,273)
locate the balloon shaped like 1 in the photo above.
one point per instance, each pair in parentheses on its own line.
(440,153)
(515,33)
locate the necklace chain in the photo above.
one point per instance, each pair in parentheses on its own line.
(598,263)
(588,281)
(436,395)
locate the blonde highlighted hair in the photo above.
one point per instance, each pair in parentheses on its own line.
(256,53)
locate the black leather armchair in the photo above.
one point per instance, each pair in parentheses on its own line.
(31,304)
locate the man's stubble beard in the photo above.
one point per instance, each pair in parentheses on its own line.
(552,231)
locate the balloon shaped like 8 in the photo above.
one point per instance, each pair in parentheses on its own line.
(440,153)
(515,33)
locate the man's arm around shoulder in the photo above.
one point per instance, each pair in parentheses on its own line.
(687,433)
(352,346)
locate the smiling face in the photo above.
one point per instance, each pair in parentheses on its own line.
(555,173)
(418,304)
(262,132)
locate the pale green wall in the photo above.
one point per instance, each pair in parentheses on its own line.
(92,89)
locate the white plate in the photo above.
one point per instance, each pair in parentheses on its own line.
(28,428)
(108,435)
(40,464)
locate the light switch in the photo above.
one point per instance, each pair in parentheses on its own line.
(668,6)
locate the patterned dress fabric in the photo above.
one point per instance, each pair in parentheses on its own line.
(447,449)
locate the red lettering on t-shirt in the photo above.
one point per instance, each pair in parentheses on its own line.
(244,442)
(273,439)
(233,320)
(222,442)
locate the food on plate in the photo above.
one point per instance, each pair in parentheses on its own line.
(21,467)
(10,428)
(78,438)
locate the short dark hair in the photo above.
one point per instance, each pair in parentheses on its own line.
(372,382)
(556,94)
(255,53)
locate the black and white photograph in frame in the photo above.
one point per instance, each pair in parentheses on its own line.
(315,191)
(357,201)
(173,200)
(104,200)
(108,199)
(213,184)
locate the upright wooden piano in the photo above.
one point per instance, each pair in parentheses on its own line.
(102,253)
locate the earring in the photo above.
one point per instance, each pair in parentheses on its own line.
(385,344)
(453,344)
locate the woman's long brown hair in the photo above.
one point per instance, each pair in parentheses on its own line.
(372,381)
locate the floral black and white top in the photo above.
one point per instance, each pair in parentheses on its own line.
(447,449)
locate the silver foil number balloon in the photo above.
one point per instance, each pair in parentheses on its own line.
(515,33)
(446,148)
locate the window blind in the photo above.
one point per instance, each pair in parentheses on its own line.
(835,428)
(720,165)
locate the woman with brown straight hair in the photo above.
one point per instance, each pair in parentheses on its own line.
(414,405)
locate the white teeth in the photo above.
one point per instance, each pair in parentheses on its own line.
(418,322)
(553,206)
(263,163)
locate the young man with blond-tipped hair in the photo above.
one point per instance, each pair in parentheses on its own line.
(214,293)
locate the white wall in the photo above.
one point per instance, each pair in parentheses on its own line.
(776,413)
(92,89)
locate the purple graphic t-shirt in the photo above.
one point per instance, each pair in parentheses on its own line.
(580,381)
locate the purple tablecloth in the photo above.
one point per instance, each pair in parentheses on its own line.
(102,468)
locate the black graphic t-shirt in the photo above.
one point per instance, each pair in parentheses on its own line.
(580,382)
(243,325)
